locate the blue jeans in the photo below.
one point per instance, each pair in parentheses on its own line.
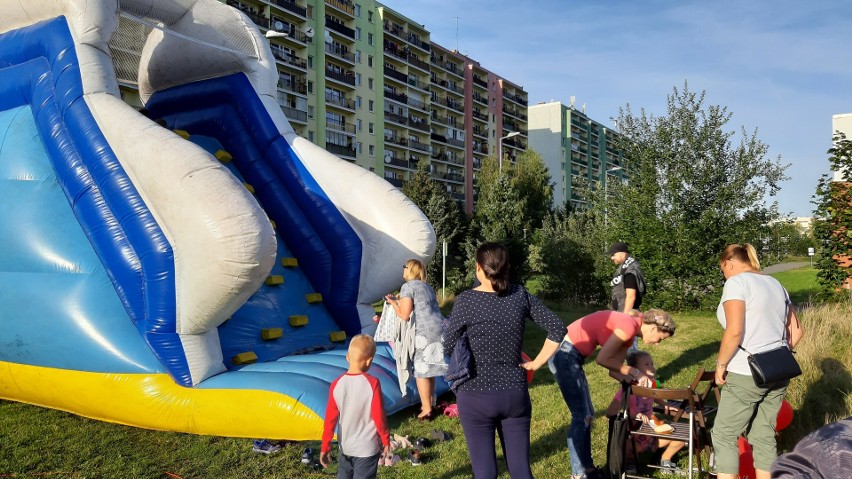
(567,368)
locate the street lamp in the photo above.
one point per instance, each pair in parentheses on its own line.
(500,148)
(606,190)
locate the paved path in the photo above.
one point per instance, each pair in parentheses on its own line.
(777,268)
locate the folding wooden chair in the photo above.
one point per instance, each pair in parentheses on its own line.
(687,432)
(705,405)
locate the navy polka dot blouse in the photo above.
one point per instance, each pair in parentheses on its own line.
(495,326)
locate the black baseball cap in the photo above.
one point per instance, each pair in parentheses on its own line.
(618,247)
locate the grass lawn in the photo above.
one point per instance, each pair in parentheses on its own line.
(801,283)
(38,442)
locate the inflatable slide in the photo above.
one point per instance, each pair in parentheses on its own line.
(197,268)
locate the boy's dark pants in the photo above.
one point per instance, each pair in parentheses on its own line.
(351,467)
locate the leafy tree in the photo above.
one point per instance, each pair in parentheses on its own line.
(691,191)
(510,206)
(833,221)
(566,251)
(446,216)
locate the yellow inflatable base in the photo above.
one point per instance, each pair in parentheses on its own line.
(154,401)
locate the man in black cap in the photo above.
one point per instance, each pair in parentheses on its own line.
(628,284)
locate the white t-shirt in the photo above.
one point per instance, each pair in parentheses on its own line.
(766,303)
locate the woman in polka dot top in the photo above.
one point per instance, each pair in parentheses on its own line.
(493,315)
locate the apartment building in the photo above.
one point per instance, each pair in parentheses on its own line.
(576,149)
(369,85)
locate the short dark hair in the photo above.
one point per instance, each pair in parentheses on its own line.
(634,355)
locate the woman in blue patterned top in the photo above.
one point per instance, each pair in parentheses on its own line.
(496,398)
(418,297)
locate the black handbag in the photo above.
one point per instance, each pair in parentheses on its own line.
(770,367)
(619,430)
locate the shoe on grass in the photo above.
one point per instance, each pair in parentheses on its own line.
(265,447)
(414,457)
(307,456)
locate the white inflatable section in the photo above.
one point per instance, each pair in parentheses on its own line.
(182,185)
(391,228)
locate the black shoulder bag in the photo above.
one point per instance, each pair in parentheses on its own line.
(775,365)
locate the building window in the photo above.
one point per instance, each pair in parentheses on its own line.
(370,105)
(358,147)
(311,62)
(358,125)
(372,150)
(370,61)
(370,83)
(358,11)
(371,127)
(310,135)
(357,79)
(370,38)
(357,102)
(370,16)
(310,111)
(358,56)
(310,86)
(357,33)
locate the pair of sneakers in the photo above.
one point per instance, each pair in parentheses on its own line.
(390,459)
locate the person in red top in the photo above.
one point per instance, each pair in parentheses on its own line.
(355,408)
(613,332)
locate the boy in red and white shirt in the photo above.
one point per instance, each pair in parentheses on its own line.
(355,408)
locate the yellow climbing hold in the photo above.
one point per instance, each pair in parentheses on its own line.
(289,262)
(223,156)
(271,333)
(298,320)
(274,226)
(274,280)
(182,133)
(337,336)
(249,187)
(314,298)
(247,357)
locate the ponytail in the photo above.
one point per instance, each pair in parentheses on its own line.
(493,258)
(744,253)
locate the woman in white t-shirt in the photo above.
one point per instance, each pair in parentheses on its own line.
(756,313)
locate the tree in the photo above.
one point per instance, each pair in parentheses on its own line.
(691,191)
(446,216)
(833,221)
(565,249)
(509,207)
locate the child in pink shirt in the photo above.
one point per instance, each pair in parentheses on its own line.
(355,408)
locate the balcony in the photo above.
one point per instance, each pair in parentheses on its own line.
(394,29)
(481,132)
(251,13)
(415,40)
(480,116)
(447,86)
(416,103)
(515,98)
(457,196)
(437,137)
(346,77)
(292,85)
(419,146)
(455,142)
(479,81)
(514,113)
(480,99)
(400,97)
(340,150)
(396,118)
(350,129)
(397,75)
(291,60)
(291,7)
(396,182)
(340,101)
(339,53)
(444,120)
(345,6)
(339,28)
(293,114)
(418,63)
(418,123)
(395,140)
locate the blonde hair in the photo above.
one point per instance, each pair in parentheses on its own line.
(362,346)
(744,253)
(415,269)
(660,318)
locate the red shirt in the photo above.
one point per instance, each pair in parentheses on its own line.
(593,330)
(355,405)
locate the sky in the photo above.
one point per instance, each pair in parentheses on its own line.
(781,67)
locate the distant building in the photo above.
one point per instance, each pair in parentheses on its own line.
(367,84)
(842,123)
(576,149)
